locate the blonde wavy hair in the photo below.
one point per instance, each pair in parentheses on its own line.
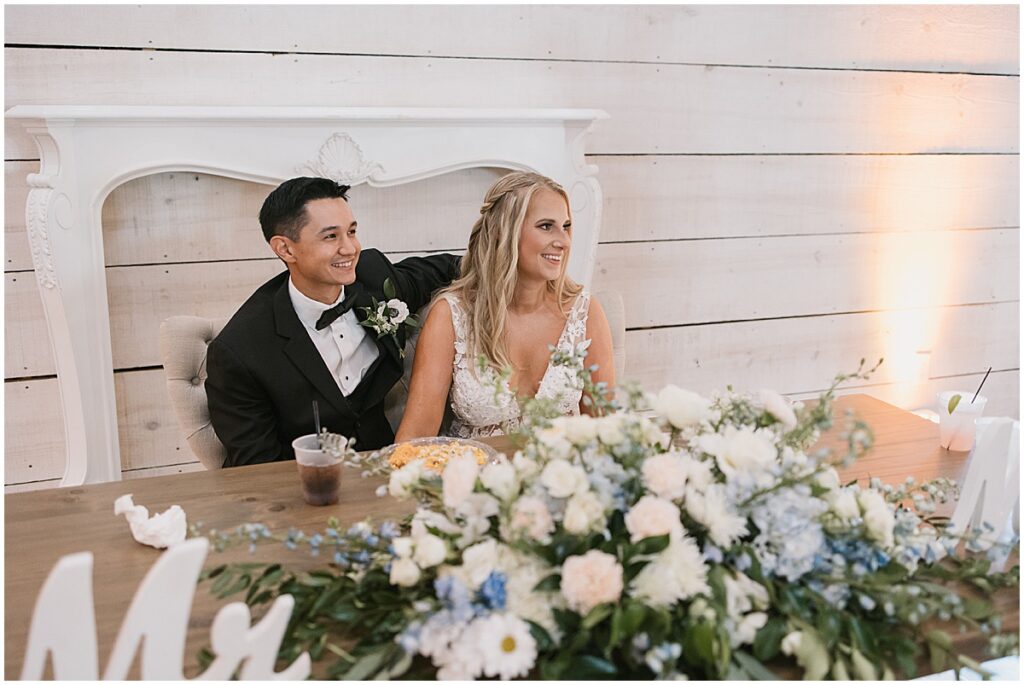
(488,275)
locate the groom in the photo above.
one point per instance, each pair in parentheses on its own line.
(301,336)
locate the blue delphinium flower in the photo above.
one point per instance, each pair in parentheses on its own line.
(409,639)
(791,536)
(388,530)
(455,597)
(493,591)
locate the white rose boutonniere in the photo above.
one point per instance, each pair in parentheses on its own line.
(386,318)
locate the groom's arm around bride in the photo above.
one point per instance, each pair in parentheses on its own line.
(313,333)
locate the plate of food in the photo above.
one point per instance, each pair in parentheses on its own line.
(436,452)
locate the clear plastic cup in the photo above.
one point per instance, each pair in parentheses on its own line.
(957,430)
(319,472)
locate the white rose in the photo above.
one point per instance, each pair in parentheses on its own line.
(404,478)
(681,407)
(526,468)
(878,519)
(665,475)
(479,560)
(791,643)
(591,579)
(404,572)
(653,516)
(739,451)
(500,479)
(653,435)
(556,445)
(746,629)
(459,478)
(531,517)
(609,429)
(844,504)
(430,551)
(583,512)
(776,405)
(828,478)
(402,547)
(579,430)
(400,309)
(677,573)
(563,479)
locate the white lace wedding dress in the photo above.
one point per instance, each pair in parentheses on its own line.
(478,410)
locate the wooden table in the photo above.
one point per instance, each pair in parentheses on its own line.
(40,527)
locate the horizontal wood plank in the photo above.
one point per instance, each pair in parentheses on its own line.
(672,283)
(197,217)
(35,448)
(663,197)
(803,355)
(653,108)
(939,38)
(17,254)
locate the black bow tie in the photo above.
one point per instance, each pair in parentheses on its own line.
(329,315)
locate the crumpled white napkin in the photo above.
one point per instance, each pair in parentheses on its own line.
(163,530)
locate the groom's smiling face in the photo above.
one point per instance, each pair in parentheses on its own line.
(324,257)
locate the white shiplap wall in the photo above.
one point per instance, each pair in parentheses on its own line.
(783,185)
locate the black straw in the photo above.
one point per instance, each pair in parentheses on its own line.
(982,383)
(316,420)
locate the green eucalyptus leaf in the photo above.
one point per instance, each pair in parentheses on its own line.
(550,584)
(389,289)
(769,638)
(698,644)
(597,614)
(541,636)
(863,669)
(590,667)
(813,656)
(369,664)
(839,670)
(977,609)
(753,667)
(652,545)
(953,402)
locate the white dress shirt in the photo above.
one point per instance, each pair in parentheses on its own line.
(346,348)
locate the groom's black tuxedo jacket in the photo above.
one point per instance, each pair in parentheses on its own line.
(264,371)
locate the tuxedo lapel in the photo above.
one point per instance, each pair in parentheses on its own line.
(301,351)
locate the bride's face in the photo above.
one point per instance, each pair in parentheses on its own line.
(546,237)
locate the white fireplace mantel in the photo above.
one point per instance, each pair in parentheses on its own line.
(85,152)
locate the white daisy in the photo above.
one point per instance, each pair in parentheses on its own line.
(506,645)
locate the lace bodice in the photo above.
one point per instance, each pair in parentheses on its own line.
(480,411)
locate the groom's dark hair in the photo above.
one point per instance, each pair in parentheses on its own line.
(284,210)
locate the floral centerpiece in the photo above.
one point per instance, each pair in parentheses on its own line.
(671,536)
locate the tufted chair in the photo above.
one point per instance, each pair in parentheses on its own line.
(183,341)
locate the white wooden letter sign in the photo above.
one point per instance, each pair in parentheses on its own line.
(64,625)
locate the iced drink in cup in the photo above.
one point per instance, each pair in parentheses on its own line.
(319,471)
(956,430)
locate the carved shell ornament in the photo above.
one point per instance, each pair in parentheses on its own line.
(341,159)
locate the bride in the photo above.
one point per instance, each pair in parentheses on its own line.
(512,300)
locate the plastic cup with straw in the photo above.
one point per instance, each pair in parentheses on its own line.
(957,418)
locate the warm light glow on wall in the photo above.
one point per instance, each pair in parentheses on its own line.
(916,270)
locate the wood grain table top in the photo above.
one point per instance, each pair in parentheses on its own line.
(42,526)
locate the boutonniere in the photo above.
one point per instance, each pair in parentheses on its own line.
(387,317)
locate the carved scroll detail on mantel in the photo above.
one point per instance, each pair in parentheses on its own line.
(341,159)
(36,211)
